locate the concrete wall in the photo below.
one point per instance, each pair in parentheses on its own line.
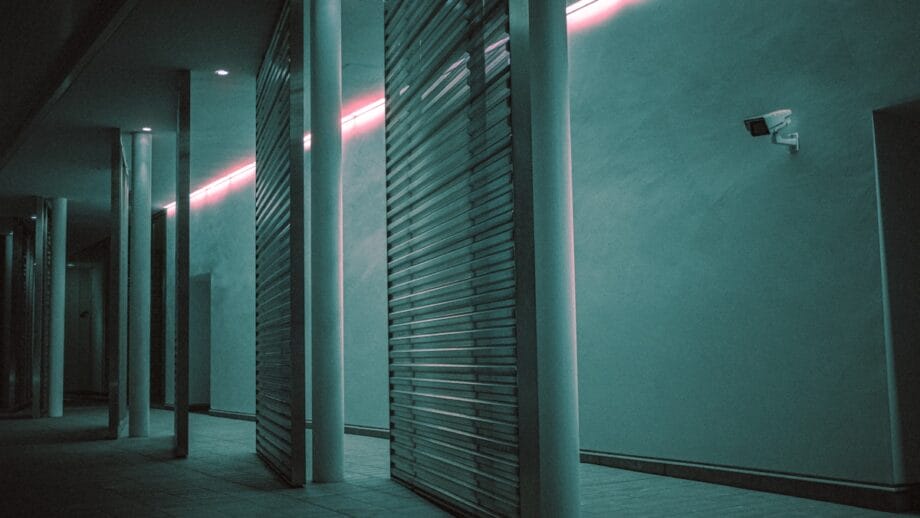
(222,239)
(366,364)
(729,294)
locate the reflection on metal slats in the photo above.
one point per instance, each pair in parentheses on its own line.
(456,256)
(450,159)
(446,119)
(496,260)
(450,254)
(501,461)
(485,289)
(274,425)
(50,221)
(468,493)
(449,215)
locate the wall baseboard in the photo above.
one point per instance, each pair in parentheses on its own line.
(367,431)
(242,416)
(879,497)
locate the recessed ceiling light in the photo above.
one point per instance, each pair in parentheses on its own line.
(221,72)
(33,216)
(147,129)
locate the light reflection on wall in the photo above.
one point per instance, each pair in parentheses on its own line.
(365,115)
(588,13)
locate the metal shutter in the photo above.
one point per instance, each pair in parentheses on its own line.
(280,405)
(38,286)
(46,310)
(117,300)
(451,253)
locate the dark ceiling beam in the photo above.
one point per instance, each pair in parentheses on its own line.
(81,50)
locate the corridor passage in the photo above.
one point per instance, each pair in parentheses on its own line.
(65,467)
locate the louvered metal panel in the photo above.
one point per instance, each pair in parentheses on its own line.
(39,301)
(451,254)
(46,311)
(280,391)
(117,301)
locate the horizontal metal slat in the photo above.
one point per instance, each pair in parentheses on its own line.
(452,343)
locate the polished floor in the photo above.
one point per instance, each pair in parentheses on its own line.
(65,467)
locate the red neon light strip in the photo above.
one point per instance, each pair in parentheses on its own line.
(349,122)
(363,115)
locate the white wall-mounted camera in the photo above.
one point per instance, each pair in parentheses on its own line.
(771,124)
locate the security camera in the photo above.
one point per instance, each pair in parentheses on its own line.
(770,124)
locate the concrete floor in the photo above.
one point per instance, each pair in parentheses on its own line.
(65,467)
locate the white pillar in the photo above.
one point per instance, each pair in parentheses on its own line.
(326,241)
(58,297)
(554,249)
(548,377)
(139,292)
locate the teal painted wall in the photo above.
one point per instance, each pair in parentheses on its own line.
(364,203)
(222,239)
(366,364)
(729,303)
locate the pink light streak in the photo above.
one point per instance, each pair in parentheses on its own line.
(353,121)
(222,183)
(579,15)
(587,13)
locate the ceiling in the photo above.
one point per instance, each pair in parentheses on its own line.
(53,137)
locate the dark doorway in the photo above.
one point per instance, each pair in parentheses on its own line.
(199,342)
(158,310)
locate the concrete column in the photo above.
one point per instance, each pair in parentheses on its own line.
(58,296)
(139,292)
(547,367)
(554,254)
(6,317)
(326,240)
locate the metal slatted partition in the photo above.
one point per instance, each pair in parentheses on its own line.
(46,311)
(280,293)
(117,300)
(451,254)
(39,287)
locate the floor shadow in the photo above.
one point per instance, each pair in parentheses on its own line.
(67,436)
